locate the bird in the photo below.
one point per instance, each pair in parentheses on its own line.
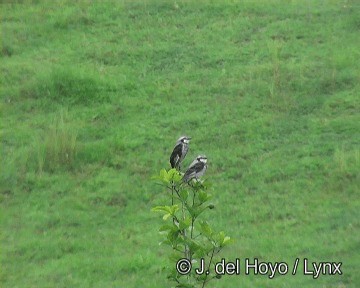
(196,169)
(180,150)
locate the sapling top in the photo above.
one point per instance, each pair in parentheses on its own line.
(192,239)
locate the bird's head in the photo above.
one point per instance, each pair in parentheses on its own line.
(184,139)
(201,158)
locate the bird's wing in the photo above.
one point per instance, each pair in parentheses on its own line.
(194,169)
(175,155)
(184,151)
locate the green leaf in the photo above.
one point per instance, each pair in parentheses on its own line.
(220,239)
(184,194)
(192,211)
(166,216)
(163,176)
(167,209)
(163,173)
(173,237)
(205,228)
(200,253)
(194,245)
(174,209)
(184,224)
(203,196)
(174,256)
(161,209)
(221,236)
(226,241)
(198,186)
(174,175)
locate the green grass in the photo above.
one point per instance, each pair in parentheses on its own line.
(94,96)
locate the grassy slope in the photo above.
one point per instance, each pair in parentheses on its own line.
(94,96)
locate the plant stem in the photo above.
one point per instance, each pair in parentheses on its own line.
(187,252)
(192,218)
(212,255)
(172,193)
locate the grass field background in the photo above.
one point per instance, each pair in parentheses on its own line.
(94,95)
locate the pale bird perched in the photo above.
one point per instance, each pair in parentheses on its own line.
(196,169)
(179,152)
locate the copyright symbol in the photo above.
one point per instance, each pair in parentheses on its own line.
(183,266)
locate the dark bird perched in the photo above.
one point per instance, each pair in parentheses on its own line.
(196,169)
(179,152)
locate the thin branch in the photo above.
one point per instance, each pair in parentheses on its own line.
(210,279)
(172,193)
(192,218)
(212,255)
